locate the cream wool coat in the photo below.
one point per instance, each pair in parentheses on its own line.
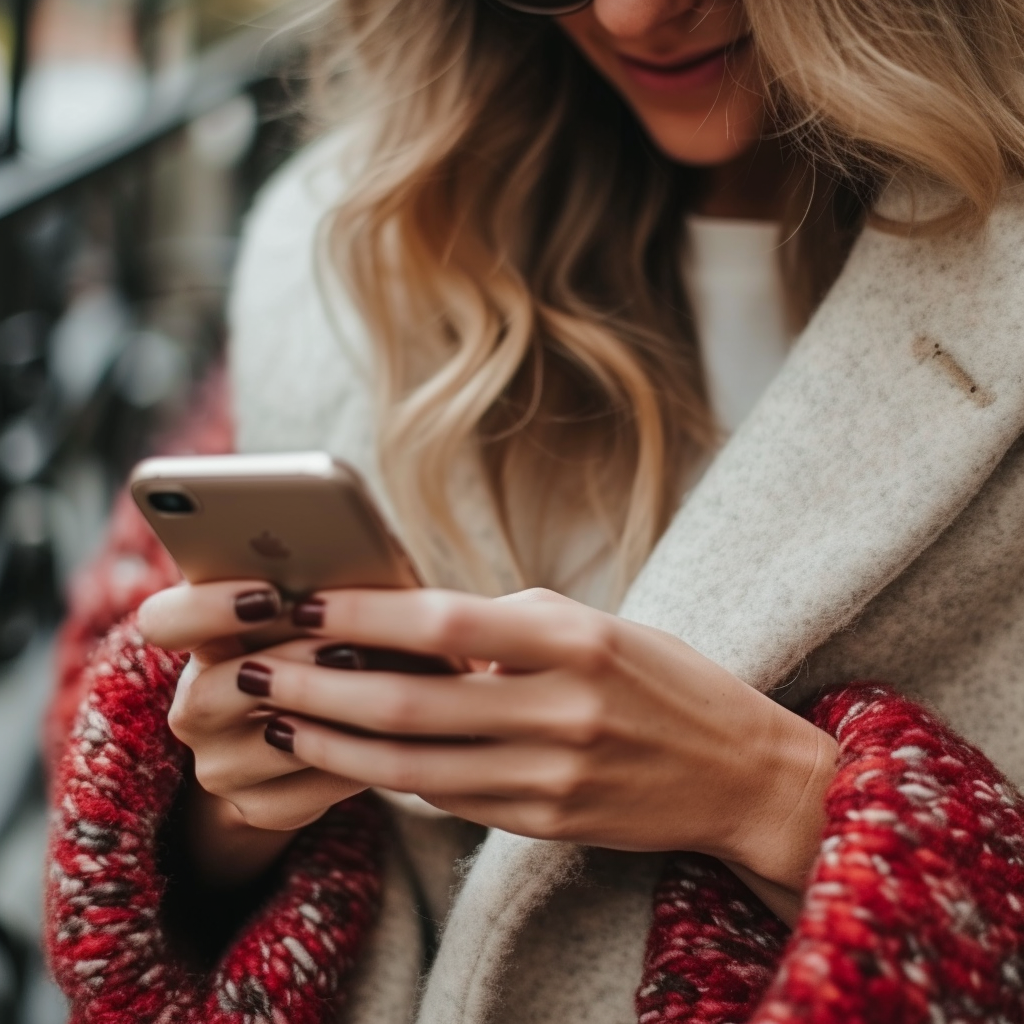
(866,521)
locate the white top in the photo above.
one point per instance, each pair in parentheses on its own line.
(855,492)
(732,275)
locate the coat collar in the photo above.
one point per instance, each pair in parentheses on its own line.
(896,404)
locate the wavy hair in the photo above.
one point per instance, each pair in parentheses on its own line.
(513,241)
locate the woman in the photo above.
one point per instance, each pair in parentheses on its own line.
(474,293)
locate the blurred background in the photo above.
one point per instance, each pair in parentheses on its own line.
(133,134)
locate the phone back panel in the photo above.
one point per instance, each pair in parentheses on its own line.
(303,522)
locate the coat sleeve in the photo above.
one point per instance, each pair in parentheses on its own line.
(123,927)
(914,910)
(110,938)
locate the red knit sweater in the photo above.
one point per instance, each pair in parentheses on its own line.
(915,910)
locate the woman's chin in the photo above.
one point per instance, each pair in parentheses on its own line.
(703,143)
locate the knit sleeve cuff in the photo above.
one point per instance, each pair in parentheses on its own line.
(107,922)
(914,910)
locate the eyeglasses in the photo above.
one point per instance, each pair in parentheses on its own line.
(551,7)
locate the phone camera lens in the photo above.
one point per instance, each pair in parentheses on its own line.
(172,503)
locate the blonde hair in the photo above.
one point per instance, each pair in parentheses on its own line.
(930,87)
(513,240)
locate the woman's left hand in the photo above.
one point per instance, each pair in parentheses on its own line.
(573,725)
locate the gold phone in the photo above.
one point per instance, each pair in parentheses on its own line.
(302,521)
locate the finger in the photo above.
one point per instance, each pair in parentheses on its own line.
(208,702)
(191,615)
(524,635)
(534,818)
(535,595)
(292,801)
(655,649)
(235,763)
(224,697)
(473,705)
(484,769)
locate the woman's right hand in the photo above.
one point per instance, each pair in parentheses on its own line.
(246,784)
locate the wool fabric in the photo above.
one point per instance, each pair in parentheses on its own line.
(913,911)
(866,521)
(911,915)
(105,919)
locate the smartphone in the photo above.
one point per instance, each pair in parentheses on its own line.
(302,521)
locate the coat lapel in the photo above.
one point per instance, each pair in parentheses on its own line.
(511,877)
(899,400)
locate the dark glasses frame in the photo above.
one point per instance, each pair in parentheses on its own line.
(550,10)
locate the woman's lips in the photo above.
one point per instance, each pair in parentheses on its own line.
(704,69)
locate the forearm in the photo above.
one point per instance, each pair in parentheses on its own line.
(784,903)
(221,848)
(780,837)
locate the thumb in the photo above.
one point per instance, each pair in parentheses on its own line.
(536,595)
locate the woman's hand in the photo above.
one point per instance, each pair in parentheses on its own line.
(251,797)
(585,727)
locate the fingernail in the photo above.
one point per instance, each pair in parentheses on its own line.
(340,656)
(254,679)
(309,614)
(281,735)
(257,606)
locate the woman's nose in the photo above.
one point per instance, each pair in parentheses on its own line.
(633,19)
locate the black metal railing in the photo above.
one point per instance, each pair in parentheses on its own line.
(114,261)
(113,264)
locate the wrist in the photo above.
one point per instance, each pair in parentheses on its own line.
(778,833)
(223,848)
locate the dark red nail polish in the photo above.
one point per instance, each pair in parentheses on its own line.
(309,614)
(257,606)
(254,679)
(341,656)
(281,735)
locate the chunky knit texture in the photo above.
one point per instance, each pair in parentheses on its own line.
(865,522)
(116,771)
(915,911)
(108,947)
